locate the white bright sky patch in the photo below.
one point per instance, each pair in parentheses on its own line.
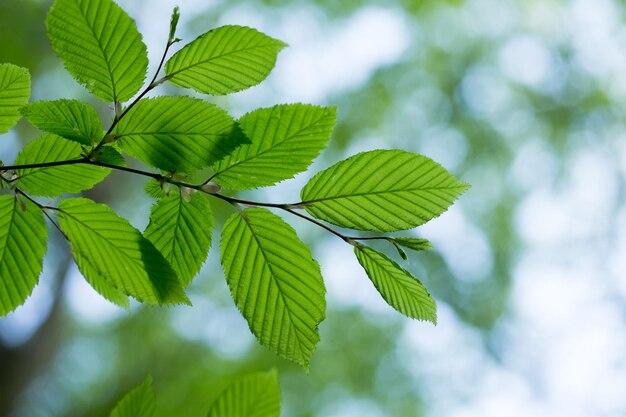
(85,303)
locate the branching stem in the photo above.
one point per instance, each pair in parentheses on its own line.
(288,207)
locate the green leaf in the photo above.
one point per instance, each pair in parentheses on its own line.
(254,395)
(285,140)
(181,231)
(381,191)
(224,60)
(413,243)
(274,282)
(14,93)
(70,119)
(399,289)
(56,180)
(177,133)
(139,402)
(23,235)
(100,46)
(107,248)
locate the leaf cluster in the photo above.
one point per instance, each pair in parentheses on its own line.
(192,150)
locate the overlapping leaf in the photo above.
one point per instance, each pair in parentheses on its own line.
(70,119)
(254,395)
(100,46)
(139,402)
(23,235)
(14,93)
(224,60)
(274,282)
(178,133)
(399,289)
(383,190)
(107,248)
(181,231)
(56,180)
(285,140)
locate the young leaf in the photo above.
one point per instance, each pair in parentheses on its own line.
(274,282)
(56,180)
(254,395)
(70,119)
(382,191)
(181,231)
(14,93)
(139,402)
(23,235)
(285,140)
(177,133)
(155,189)
(399,289)
(413,243)
(100,46)
(107,248)
(224,60)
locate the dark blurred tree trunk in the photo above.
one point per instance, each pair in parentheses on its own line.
(20,365)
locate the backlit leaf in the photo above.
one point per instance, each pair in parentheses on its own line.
(224,60)
(70,119)
(177,133)
(56,180)
(100,46)
(14,93)
(139,402)
(23,235)
(284,141)
(274,282)
(107,248)
(181,231)
(254,395)
(399,289)
(381,191)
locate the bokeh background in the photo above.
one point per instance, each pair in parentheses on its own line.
(524,99)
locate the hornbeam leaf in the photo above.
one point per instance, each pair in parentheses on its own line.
(224,60)
(23,235)
(254,395)
(274,282)
(399,289)
(14,93)
(381,191)
(285,140)
(139,402)
(181,231)
(56,180)
(178,133)
(107,248)
(413,243)
(70,119)
(100,46)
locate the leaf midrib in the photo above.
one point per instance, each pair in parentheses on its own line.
(347,196)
